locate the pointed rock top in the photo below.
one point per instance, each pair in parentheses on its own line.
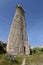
(20,7)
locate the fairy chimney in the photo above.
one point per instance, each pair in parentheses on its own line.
(17,40)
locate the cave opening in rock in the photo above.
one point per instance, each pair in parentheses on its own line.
(24,50)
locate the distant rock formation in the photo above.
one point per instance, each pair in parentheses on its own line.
(40,46)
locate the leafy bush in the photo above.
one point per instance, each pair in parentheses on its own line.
(2,47)
(37,51)
(2,50)
(41,49)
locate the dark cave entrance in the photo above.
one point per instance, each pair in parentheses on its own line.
(24,50)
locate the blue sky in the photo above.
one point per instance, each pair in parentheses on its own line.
(33,16)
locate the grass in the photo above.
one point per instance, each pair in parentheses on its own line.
(30,60)
(34,60)
(5,61)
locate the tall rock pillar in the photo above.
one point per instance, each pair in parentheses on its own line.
(17,36)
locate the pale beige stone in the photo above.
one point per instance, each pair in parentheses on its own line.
(17,40)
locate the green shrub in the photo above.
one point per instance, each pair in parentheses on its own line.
(37,51)
(41,49)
